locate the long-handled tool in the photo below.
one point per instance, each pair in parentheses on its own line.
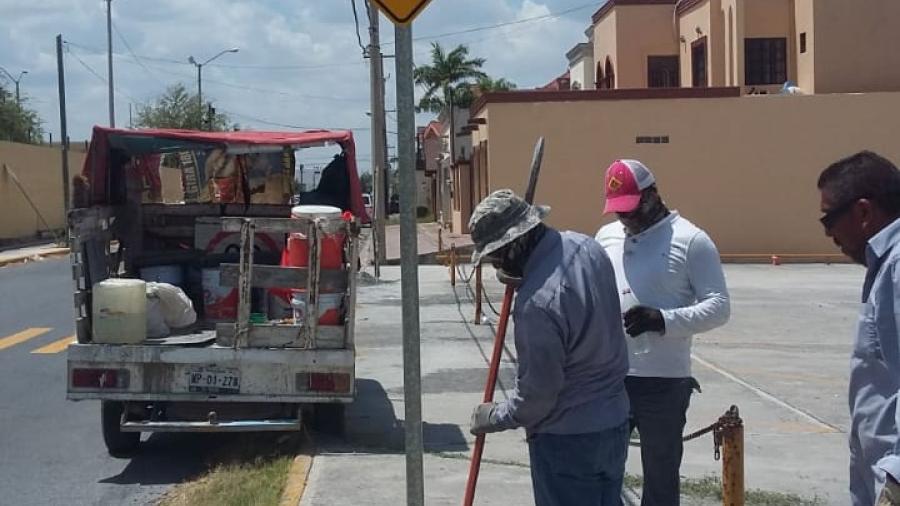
(475,463)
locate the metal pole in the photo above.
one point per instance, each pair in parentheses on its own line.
(18,100)
(412,388)
(112,104)
(64,136)
(200,96)
(379,160)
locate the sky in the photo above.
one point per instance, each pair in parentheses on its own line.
(299,63)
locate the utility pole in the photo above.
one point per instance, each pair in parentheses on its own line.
(64,136)
(199,66)
(379,139)
(16,80)
(409,273)
(112,102)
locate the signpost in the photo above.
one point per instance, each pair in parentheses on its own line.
(402,12)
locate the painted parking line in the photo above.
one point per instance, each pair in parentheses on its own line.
(22,336)
(56,346)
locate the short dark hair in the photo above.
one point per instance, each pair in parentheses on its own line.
(863,175)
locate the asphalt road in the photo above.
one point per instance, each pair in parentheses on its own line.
(51,449)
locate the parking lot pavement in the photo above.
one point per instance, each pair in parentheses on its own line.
(782,359)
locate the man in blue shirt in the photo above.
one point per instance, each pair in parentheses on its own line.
(860,199)
(572,360)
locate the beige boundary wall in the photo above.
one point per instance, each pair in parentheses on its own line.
(743,168)
(39,169)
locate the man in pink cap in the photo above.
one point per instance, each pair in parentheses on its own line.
(671,286)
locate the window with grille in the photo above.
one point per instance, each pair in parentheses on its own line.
(662,72)
(765,61)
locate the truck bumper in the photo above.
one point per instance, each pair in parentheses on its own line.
(168,373)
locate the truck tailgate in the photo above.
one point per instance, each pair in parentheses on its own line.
(224,374)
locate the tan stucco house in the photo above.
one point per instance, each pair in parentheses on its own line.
(823,46)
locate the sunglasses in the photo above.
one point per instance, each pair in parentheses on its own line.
(831,216)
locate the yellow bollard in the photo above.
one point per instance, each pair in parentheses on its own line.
(731,437)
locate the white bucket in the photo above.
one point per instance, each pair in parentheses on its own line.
(171,274)
(316,212)
(119,311)
(329,308)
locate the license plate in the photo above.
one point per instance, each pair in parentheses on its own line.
(216,381)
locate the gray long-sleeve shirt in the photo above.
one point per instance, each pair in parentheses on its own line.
(875,372)
(569,340)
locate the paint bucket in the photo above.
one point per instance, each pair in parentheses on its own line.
(219,302)
(332,250)
(171,274)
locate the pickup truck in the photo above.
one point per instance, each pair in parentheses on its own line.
(215,205)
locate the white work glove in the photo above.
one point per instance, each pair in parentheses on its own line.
(483,421)
(890,494)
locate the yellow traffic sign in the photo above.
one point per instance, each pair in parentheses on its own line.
(401,12)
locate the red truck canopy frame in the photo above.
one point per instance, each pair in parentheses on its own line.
(154,141)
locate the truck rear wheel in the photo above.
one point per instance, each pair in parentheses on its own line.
(118,443)
(329,419)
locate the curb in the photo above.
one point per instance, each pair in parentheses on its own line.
(50,252)
(297,478)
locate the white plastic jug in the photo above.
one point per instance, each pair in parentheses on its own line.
(120,311)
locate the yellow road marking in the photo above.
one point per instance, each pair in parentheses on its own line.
(56,346)
(21,337)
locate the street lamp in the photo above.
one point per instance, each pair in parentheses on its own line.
(15,80)
(199,66)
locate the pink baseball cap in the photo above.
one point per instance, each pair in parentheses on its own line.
(625,180)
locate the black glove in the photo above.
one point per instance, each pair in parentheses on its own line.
(640,319)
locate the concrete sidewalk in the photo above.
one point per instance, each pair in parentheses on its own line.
(427,241)
(782,360)
(17,255)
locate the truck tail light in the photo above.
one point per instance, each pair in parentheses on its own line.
(323,382)
(100,378)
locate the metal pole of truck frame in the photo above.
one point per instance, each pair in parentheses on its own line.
(412,389)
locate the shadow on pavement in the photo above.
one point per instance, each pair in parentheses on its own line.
(372,427)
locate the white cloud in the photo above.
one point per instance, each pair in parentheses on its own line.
(331,90)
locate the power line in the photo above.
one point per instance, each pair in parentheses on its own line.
(95,73)
(356,22)
(229,84)
(551,15)
(138,60)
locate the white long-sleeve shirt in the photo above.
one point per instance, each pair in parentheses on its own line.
(675,267)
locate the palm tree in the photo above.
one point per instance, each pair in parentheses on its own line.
(485,84)
(445,80)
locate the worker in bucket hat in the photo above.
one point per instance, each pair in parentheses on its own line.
(671,287)
(570,382)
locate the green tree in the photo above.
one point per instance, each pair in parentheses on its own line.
(445,81)
(366,182)
(18,123)
(484,84)
(176,108)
